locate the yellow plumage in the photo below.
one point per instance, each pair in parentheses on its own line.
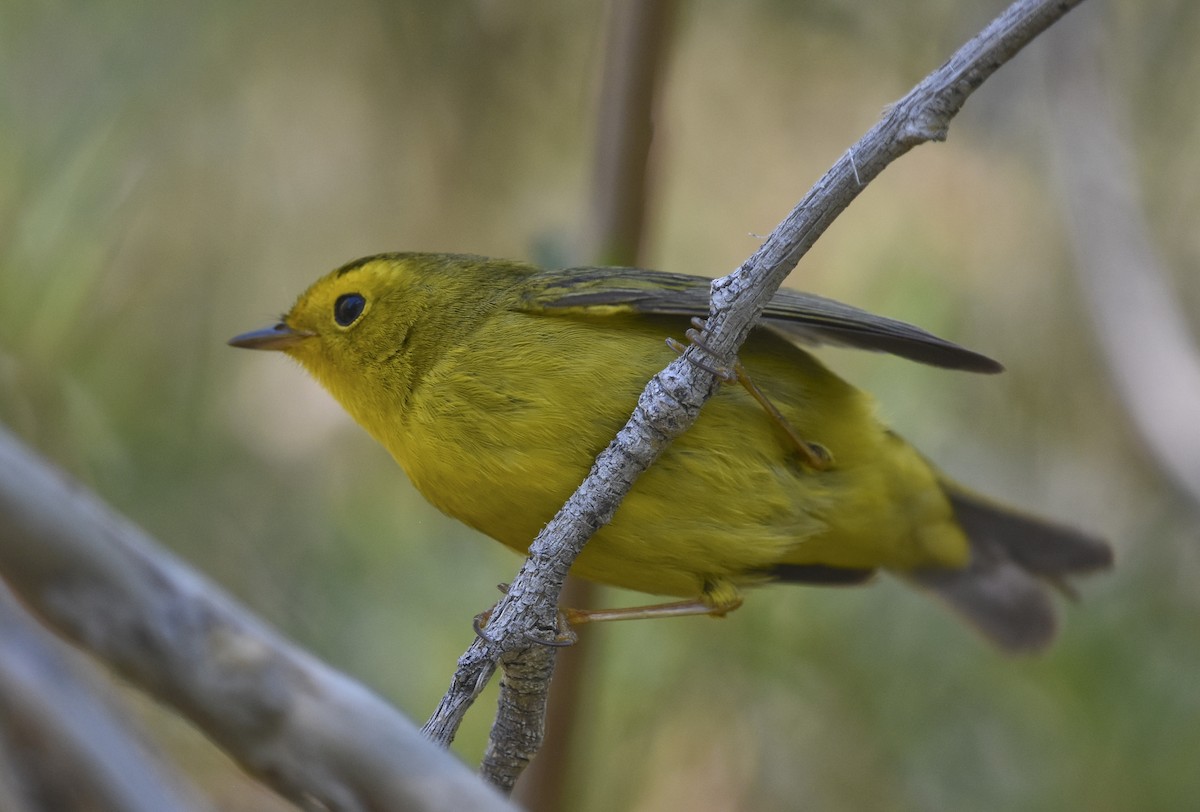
(494,385)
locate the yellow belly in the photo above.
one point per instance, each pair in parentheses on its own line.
(726,502)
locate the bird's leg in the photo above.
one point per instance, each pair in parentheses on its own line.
(718,600)
(675,609)
(814,455)
(564,635)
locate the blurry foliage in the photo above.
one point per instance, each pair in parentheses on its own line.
(173,173)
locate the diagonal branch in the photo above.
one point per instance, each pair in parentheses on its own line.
(53,722)
(316,736)
(673,398)
(637,43)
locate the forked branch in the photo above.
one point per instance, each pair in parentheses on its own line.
(673,398)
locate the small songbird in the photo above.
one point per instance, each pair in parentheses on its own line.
(495,384)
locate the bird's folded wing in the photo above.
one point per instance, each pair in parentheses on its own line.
(800,317)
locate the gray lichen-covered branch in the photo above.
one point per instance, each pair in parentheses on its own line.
(672,399)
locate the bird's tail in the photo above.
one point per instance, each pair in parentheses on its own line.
(1005,589)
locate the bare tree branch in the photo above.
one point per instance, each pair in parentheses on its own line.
(1146,342)
(55,724)
(513,741)
(634,53)
(316,736)
(673,398)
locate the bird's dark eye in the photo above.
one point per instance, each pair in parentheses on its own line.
(347,308)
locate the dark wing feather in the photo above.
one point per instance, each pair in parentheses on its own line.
(800,317)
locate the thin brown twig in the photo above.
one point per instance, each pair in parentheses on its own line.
(673,398)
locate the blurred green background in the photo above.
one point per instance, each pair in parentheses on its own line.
(174,173)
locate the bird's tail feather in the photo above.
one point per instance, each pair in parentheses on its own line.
(1015,560)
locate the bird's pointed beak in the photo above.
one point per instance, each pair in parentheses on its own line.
(278,337)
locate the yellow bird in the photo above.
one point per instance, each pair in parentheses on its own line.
(494,385)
